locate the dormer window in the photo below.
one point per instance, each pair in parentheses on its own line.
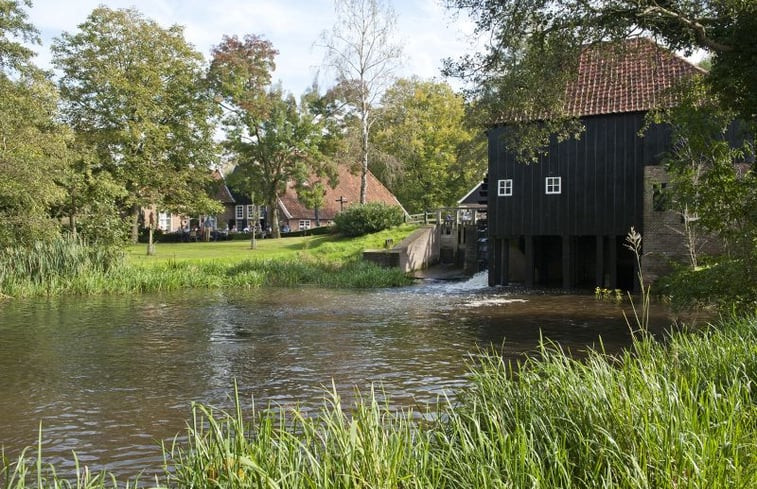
(505,187)
(553,185)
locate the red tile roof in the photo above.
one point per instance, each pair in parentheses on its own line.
(348,187)
(634,76)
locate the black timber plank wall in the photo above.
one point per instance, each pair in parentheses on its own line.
(602,175)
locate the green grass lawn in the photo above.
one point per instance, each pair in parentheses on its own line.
(325,247)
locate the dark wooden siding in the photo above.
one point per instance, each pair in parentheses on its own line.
(601,176)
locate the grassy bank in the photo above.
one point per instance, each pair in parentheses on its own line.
(71,268)
(682,414)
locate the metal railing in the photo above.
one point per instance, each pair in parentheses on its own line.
(448,215)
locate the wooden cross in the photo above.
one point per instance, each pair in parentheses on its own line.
(341,201)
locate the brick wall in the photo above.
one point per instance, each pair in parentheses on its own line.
(663,236)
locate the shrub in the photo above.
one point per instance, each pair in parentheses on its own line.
(368,218)
(723,283)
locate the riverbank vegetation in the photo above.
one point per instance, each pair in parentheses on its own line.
(679,413)
(68,266)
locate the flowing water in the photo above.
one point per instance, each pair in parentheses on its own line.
(111,377)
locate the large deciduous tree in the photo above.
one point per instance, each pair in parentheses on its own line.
(422,127)
(363,52)
(33,147)
(533,47)
(134,91)
(269,135)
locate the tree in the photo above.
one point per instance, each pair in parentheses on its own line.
(32,153)
(134,91)
(534,47)
(712,186)
(90,204)
(269,136)
(14,25)
(362,51)
(422,127)
(32,143)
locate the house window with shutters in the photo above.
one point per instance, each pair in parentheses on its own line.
(553,185)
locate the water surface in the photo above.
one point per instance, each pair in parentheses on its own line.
(110,377)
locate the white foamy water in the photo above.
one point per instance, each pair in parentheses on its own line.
(492,301)
(477,282)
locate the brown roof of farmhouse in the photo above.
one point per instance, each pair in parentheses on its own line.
(636,76)
(348,187)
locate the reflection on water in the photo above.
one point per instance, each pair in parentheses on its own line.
(113,376)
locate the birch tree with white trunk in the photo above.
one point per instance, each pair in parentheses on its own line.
(364,54)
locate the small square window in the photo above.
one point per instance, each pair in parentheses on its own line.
(305,224)
(554,185)
(505,187)
(660,197)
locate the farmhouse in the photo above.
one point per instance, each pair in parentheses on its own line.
(295,216)
(562,222)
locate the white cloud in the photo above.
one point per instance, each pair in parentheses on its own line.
(293,26)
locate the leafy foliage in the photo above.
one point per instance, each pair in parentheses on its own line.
(32,154)
(713,188)
(271,138)
(15,26)
(431,158)
(533,47)
(133,91)
(362,51)
(372,217)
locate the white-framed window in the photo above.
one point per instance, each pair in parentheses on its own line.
(553,185)
(505,187)
(164,221)
(305,224)
(240,212)
(249,211)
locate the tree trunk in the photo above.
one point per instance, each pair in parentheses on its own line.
(317,217)
(273,213)
(364,172)
(135,224)
(255,221)
(150,244)
(72,217)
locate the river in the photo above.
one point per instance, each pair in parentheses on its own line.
(112,377)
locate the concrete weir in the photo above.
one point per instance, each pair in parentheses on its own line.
(418,251)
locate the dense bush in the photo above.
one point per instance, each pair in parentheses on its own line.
(368,218)
(725,284)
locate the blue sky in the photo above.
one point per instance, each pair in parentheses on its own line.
(427,31)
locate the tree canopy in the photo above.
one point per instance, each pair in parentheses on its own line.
(33,144)
(134,91)
(14,28)
(363,53)
(270,137)
(426,148)
(533,46)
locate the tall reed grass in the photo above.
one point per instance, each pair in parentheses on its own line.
(682,414)
(66,269)
(46,266)
(678,414)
